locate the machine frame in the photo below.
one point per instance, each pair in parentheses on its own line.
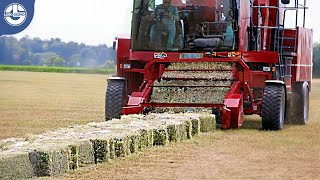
(277,57)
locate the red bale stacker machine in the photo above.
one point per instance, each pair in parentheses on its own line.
(236,57)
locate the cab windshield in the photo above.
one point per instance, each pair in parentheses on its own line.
(176,25)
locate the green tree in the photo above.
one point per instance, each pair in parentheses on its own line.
(74,60)
(45,59)
(109,64)
(44,52)
(58,61)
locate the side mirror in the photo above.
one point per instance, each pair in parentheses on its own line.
(114,44)
(285,1)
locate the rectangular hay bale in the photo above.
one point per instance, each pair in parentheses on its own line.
(122,148)
(172,133)
(101,150)
(160,137)
(49,163)
(207,124)
(146,139)
(85,154)
(15,166)
(81,155)
(195,127)
(181,132)
(177,132)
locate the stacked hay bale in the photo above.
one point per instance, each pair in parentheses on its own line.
(15,165)
(198,82)
(64,150)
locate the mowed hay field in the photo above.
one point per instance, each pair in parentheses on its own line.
(247,153)
(35,102)
(38,102)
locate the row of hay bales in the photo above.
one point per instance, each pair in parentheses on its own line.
(70,156)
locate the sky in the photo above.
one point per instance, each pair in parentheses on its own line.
(95,22)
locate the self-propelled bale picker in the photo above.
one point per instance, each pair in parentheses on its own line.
(235,56)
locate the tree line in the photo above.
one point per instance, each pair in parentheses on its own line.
(54,52)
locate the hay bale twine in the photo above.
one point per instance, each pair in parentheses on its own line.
(112,148)
(134,143)
(188,125)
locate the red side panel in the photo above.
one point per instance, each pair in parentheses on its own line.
(232,114)
(122,52)
(225,118)
(244,22)
(235,104)
(304,55)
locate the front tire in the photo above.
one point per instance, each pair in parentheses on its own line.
(114,99)
(273,107)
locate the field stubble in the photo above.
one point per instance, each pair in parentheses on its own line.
(247,153)
(37,102)
(33,102)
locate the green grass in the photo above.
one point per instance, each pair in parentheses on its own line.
(57,69)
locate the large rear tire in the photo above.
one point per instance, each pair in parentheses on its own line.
(114,99)
(273,107)
(299,105)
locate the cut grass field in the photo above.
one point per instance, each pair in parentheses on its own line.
(37,102)
(246,153)
(34,102)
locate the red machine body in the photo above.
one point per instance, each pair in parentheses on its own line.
(284,60)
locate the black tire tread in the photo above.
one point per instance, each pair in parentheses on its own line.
(271,107)
(114,99)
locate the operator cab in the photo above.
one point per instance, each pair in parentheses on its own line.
(187,25)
